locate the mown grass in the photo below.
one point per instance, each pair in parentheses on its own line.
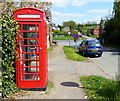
(67,38)
(93,36)
(71,54)
(63,38)
(97,87)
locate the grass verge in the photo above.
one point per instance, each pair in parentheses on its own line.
(50,50)
(93,36)
(71,54)
(97,87)
(63,38)
(67,38)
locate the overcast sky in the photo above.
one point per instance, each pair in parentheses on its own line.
(80,11)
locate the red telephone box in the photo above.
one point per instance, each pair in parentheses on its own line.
(31,58)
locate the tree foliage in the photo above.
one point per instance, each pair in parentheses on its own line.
(112,26)
(9,31)
(71,24)
(75,28)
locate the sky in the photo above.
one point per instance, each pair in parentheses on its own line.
(80,11)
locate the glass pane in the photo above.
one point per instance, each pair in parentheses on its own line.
(29,49)
(30,70)
(29,56)
(31,27)
(29,35)
(28,42)
(31,63)
(31,77)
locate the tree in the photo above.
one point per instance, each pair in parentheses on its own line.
(112,26)
(79,27)
(71,24)
(60,27)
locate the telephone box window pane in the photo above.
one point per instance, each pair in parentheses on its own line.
(28,42)
(29,56)
(31,27)
(31,63)
(29,35)
(31,70)
(31,77)
(29,49)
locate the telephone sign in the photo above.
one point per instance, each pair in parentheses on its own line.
(28,16)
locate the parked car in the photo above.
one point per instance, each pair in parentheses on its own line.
(91,47)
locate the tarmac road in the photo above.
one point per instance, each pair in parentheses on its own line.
(109,62)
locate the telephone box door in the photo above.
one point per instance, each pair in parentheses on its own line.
(29,54)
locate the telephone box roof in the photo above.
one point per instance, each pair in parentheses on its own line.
(38,9)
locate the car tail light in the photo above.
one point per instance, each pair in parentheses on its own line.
(86,47)
(101,47)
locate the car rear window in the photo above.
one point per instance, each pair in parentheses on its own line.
(94,43)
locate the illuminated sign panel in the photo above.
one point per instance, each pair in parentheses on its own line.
(28,16)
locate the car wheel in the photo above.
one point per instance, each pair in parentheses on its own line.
(99,55)
(80,52)
(83,53)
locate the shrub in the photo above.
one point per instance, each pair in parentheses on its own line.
(9,31)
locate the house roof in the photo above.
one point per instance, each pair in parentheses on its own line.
(95,27)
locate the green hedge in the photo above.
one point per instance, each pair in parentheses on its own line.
(9,31)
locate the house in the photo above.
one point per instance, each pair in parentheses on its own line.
(66,29)
(54,27)
(96,30)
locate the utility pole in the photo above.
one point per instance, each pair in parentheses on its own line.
(69,36)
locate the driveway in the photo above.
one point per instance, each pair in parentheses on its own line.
(65,75)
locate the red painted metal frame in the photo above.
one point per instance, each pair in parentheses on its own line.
(42,67)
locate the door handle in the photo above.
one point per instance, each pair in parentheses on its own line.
(40,49)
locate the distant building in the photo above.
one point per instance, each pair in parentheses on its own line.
(96,30)
(91,22)
(54,27)
(99,30)
(66,29)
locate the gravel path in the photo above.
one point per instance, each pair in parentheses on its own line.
(65,75)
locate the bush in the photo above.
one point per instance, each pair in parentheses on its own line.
(58,32)
(9,31)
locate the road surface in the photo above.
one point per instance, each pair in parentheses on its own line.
(108,62)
